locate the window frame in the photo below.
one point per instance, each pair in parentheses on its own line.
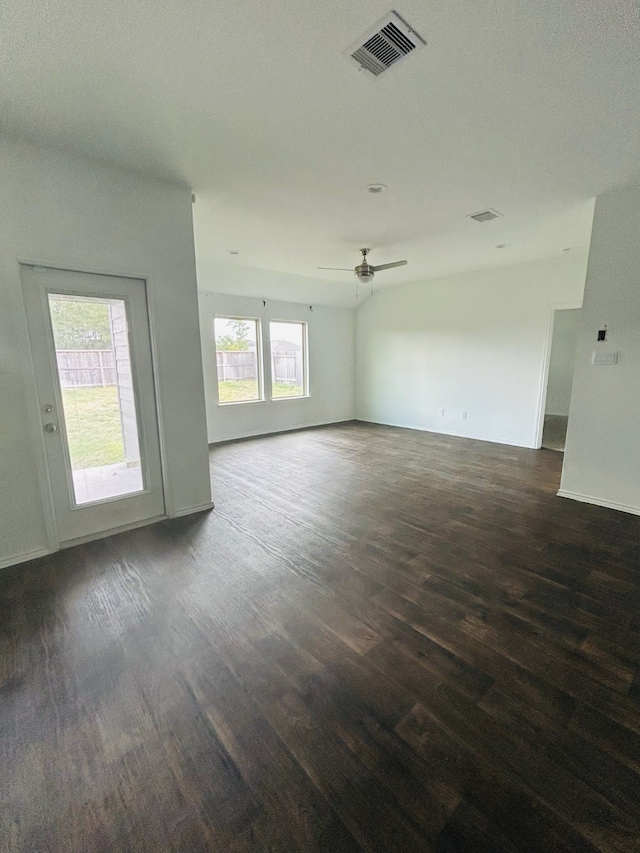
(305,360)
(259,360)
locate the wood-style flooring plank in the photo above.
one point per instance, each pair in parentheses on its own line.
(379,640)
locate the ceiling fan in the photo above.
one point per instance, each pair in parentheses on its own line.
(364,271)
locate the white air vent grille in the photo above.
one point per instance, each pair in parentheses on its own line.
(485,215)
(384,45)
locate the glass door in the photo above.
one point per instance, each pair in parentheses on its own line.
(92,356)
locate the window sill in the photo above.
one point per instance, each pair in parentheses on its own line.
(240,402)
(272,400)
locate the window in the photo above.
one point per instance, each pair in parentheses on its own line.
(238,358)
(288,359)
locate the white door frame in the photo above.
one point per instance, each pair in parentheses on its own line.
(35,426)
(546,364)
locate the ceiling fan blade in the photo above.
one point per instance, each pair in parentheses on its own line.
(341,269)
(390,266)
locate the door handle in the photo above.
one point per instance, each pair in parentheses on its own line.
(50,427)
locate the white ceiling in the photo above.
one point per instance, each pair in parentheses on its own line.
(532,108)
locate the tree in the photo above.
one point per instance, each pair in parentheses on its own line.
(237,337)
(80,325)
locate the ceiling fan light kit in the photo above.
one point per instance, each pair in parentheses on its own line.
(365,271)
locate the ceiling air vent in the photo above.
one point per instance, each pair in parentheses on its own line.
(485,215)
(384,45)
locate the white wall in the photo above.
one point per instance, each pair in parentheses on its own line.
(67,212)
(474,343)
(237,279)
(602,455)
(331,335)
(562,362)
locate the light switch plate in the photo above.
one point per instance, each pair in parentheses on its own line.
(604,358)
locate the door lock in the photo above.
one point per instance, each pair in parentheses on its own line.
(50,427)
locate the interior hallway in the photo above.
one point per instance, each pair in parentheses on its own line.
(554,432)
(379,640)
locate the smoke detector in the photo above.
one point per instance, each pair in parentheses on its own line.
(383,45)
(485,215)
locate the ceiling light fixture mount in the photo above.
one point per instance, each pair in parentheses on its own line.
(377,188)
(234,252)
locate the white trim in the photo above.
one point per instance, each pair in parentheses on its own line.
(589,499)
(112,272)
(267,432)
(41,459)
(35,427)
(260,360)
(546,364)
(103,534)
(193,509)
(159,384)
(305,357)
(241,402)
(452,434)
(7,562)
(23,558)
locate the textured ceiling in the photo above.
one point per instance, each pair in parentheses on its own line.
(530,108)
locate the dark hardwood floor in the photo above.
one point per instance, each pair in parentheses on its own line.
(380,640)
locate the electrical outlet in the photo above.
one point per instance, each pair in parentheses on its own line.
(441,412)
(464,416)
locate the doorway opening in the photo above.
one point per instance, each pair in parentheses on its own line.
(560,381)
(91,351)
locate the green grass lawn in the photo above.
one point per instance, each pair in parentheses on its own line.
(236,392)
(247,389)
(92,417)
(280,389)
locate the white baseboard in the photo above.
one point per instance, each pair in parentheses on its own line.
(23,558)
(589,499)
(7,562)
(102,534)
(242,436)
(193,509)
(471,436)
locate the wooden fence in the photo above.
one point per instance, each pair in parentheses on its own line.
(287,367)
(91,368)
(97,368)
(235,365)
